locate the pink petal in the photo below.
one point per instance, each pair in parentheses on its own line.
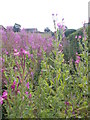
(5,94)
(27,85)
(76,36)
(26,93)
(67,103)
(13,85)
(15,50)
(80,36)
(1,100)
(60,45)
(25,52)
(77,61)
(78,57)
(16,54)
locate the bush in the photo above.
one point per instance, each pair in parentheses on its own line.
(69,31)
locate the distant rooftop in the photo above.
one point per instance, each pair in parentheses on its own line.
(31,29)
(1,27)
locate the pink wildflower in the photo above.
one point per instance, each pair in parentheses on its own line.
(16,54)
(2,70)
(21,49)
(1,100)
(76,36)
(67,103)
(60,45)
(26,93)
(2,59)
(25,52)
(73,112)
(77,61)
(27,85)
(32,74)
(38,54)
(76,53)
(78,57)
(15,50)
(17,85)
(5,94)
(6,53)
(13,85)
(59,25)
(45,48)
(80,37)
(18,91)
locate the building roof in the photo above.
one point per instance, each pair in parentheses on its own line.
(31,29)
(1,27)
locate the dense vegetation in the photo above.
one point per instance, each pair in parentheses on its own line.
(44,77)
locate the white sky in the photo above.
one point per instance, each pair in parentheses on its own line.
(38,13)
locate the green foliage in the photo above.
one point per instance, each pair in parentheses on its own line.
(72,45)
(55,93)
(69,31)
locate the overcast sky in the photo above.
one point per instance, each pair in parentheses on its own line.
(38,13)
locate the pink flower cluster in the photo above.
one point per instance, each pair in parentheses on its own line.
(29,95)
(3,97)
(60,47)
(13,42)
(16,53)
(27,85)
(2,60)
(13,87)
(78,59)
(67,103)
(78,36)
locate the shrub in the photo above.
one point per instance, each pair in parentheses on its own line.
(69,31)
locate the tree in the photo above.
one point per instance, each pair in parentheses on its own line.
(16,27)
(69,31)
(47,29)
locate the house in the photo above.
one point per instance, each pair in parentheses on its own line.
(31,30)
